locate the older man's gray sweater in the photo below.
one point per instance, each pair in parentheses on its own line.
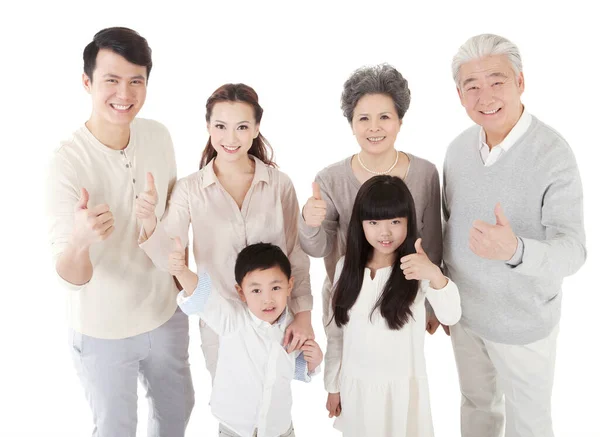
(537,183)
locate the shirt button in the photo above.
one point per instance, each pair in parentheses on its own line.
(136,196)
(126,165)
(134,181)
(122,153)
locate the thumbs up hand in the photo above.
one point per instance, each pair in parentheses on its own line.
(497,241)
(177,258)
(91,224)
(146,202)
(315,209)
(418,266)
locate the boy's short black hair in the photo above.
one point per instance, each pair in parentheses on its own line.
(261,256)
(121,40)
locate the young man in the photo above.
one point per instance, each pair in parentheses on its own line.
(513,204)
(123,312)
(251,391)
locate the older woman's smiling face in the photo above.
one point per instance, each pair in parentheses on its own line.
(375,123)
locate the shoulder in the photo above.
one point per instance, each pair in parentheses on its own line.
(465,139)
(425,168)
(151,126)
(152,134)
(334,171)
(546,136)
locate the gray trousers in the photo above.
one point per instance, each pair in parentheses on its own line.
(226,432)
(109,371)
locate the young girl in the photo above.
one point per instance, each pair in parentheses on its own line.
(375,364)
(237,198)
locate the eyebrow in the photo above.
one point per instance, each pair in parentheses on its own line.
(224,122)
(114,76)
(381,113)
(495,74)
(276,281)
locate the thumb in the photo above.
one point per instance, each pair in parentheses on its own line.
(501,219)
(177,246)
(83,199)
(418,246)
(150,182)
(316,191)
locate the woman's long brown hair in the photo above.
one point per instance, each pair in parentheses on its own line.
(238,92)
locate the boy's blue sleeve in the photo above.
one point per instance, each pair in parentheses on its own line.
(301,372)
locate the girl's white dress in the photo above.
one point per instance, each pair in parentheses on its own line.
(380,373)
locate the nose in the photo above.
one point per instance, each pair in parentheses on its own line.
(385,230)
(230,137)
(374,125)
(486,95)
(124,91)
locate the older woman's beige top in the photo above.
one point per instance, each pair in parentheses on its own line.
(221,230)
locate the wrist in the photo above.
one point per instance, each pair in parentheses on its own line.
(79,246)
(438,281)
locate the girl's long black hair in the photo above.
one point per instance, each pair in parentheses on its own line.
(380,198)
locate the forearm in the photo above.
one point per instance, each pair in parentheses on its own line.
(188,280)
(74,265)
(314,241)
(149,226)
(560,257)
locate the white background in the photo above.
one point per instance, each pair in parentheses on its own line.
(297,57)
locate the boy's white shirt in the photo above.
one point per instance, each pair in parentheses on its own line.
(251,389)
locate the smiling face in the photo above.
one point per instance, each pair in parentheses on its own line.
(266,292)
(491,92)
(232,128)
(385,235)
(375,123)
(118,89)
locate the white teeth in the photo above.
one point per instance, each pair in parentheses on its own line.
(121,107)
(375,139)
(231,148)
(491,112)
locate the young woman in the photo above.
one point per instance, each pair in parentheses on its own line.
(374,101)
(237,198)
(375,362)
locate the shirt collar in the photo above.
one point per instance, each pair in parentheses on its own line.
(261,173)
(513,136)
(282,322)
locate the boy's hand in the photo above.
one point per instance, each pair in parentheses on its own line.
(418,266)
(334,405)
(313,354)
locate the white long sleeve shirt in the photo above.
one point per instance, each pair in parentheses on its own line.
(251,391)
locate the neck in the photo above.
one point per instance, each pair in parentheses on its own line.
(379,162)
(379,260)
(223,168)
(113,136)
(493,138)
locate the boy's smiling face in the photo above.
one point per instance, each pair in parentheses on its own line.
(266,292)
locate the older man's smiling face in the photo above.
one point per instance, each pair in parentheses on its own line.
(491,92)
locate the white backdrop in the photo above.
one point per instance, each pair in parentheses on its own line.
(297,57)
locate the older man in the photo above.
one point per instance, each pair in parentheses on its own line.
(512,202)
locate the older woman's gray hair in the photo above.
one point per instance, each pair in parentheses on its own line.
(484,45)
(380,79)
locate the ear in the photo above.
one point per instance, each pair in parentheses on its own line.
(208,127)
(87,82)
(460,96)
(256,130)
(521,82)
(290,285)
(240,292)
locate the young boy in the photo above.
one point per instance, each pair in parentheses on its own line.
(251,390)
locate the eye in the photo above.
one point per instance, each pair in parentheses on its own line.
(471,88)
(277,288)
(373,222)
(220,126)
(243,127)
(396,222)
(111,80)
(137,82)
(255,291)
(385,117)
(363,118)
(497,83)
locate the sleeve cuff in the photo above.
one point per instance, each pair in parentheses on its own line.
(517,258)
(194,304)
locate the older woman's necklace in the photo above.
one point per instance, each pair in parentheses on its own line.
(379,173)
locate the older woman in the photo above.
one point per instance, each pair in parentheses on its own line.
(374,101)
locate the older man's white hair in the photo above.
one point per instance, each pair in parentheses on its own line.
(484,45)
